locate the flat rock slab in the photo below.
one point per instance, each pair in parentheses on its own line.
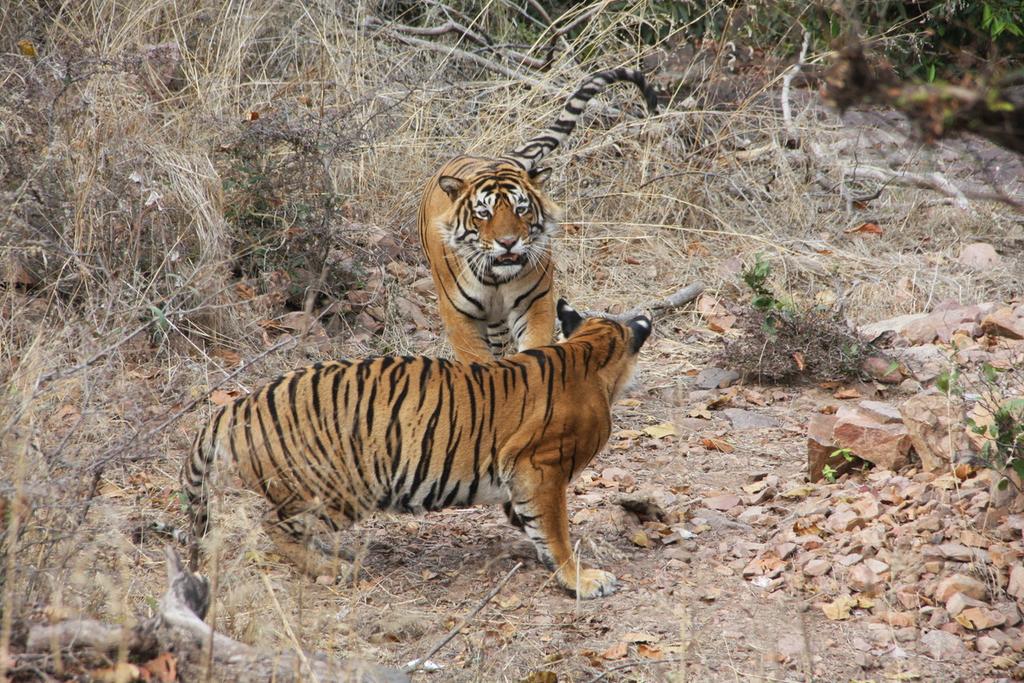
(716,378)
(748,419)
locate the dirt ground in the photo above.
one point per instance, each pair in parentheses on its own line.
(144,300)
(683,611)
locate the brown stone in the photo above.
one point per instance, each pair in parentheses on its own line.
(883,412)
(924,363)
(1016,585)
(883,444)
(817,567)
(974,539)
(958,602)
(987,646)
(862,579)
(867,507)
(960,583)
(820,448)
(956,551)
(1005,322)
(937,616)
(980,618)
(909,597)
(1010,610)
(979,256)
(889,326)
(876,565)
(942,324)
(722,503)
(844,519)
(882,369)
(929,419)
(943,646)
(898,619)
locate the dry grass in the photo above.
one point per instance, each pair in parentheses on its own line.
(116,178)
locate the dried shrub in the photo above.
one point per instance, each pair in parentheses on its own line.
(288,218)
(813,344)
(783,342)
(97,204)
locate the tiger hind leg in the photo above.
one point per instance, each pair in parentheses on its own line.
(293,535)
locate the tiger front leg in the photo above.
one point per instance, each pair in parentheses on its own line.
(540,323)
(468,340)
(542,511)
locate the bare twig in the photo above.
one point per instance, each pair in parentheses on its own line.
(787,79)
(490,64)
(629,665)
(484,62)
(680,298)
(585,16)
(929,181)
(417,663)
(452,26)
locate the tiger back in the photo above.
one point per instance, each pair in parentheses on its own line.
(329,444)
(487,227)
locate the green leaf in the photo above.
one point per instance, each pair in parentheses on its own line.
(1014,405)
(1018,466)
(1003,484)
(949,383)
(990,373)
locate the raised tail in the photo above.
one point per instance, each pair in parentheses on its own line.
(530,153)
(195,485)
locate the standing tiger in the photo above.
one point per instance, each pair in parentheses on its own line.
(333,442)
(486,227)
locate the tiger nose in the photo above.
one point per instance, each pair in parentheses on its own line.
(508,242)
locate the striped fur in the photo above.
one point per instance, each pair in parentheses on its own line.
(329,444)
(486,227)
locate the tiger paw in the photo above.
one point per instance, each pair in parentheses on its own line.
(324,570)
(592,583)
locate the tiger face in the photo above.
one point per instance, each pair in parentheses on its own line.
(500,222)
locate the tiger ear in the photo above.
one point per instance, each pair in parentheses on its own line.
(640,326)
(568,317)
(539,176)
(451,185)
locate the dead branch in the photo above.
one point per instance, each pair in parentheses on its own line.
(930,181)
(452,26)
(787,79)
(377,24)
(417,663)
(995,110)
(679,298)
(179,628)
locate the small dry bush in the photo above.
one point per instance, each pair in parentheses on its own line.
(783,341)
(801,345)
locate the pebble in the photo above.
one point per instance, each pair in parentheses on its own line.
(960,583)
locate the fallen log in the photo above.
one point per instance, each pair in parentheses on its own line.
(200,653)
